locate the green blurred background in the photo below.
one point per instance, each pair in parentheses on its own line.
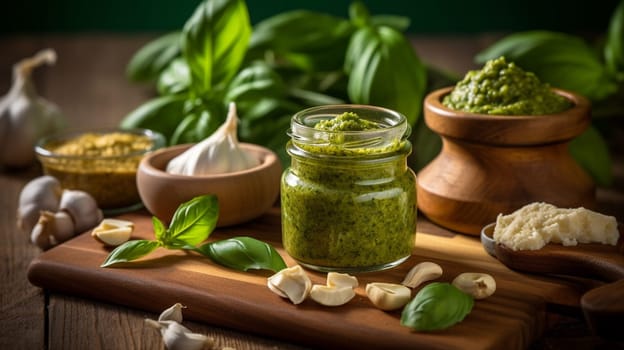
(428,17)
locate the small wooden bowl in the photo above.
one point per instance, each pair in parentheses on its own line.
(496,164)
(243,195)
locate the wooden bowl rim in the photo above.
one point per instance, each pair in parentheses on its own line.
(268,160)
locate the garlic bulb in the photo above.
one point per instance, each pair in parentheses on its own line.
(24,116)
(218,154)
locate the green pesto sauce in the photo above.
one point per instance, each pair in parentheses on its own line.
(345,213)
(348,217)
(337,144)
(502,88)
(347,121)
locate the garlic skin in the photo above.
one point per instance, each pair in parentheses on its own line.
(177,337)
(41,193)
(83,209)
(218,154)
(25,117)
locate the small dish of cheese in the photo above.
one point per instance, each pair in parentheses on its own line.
(537,224)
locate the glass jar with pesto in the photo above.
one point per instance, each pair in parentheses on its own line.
(348,198)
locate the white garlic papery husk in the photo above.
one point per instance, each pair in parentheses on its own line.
(26,117)
(220,153)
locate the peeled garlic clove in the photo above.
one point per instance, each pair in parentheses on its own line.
(41,193)
(331,296)
(292,283)
(479,285)
(388,296)
(335,279)
(218,154)
(173,313)
(113,232)
(83,209)
(423,272)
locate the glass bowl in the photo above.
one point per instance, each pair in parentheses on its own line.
(101,162)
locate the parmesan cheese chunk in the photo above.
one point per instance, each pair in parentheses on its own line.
(537,224)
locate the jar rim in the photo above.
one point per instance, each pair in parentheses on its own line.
(393,129)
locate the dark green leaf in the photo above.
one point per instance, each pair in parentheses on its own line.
(151,59)
(359,15)
(371,63)
(436,306)
(162,114)
(255,81)
(215,40)
(309,40)
(175,78)
(614,47)
(129,251)
(204,118)
(400,23)
(591,151)
(159,229)
(562,60)
(243,253)
(194,220)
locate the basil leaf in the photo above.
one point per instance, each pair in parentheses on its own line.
(562,60)
(161,114)
(254,82)
(129,251)
(436,306)
(194,220)
(153,57)
(311,41)
(592,153)
(372,63)
(201,122)
(243,253)
(175,78)
(160,232)
(399,23)
(614,46)
(214,42)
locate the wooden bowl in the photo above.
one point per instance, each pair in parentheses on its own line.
(496,164)
(243,195)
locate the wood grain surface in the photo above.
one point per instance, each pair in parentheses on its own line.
(241,301)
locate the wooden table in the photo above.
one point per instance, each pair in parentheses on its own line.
(88,84)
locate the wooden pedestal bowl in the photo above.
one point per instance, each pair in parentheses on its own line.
(496,164)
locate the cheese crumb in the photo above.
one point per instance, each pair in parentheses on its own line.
(537,224)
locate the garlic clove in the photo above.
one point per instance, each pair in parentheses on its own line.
(173,313)
(292,283)
(40,235)
(177,337)
(388,296)
(218,154)
(114,236)
(113,232)
(83,209)
(479,285)
(423,272)
(331,296)
(63,226)
(335,279)
(41,193)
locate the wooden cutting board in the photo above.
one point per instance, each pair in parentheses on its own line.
(513,318)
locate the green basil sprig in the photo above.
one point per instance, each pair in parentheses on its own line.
(191,224)
(614,46)
(436,306)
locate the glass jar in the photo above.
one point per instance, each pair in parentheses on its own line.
(348,198)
